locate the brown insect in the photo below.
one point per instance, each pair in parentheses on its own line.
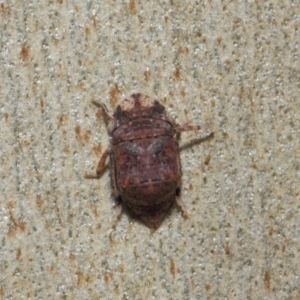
(144,158)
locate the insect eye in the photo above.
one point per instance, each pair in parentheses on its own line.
(121,115)
(157,109)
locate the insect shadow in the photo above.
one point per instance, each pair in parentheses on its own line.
(196,142)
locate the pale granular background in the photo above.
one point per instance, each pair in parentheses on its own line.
(232,67)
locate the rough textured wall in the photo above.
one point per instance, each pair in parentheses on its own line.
(231,66)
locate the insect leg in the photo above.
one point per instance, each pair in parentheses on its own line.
(186,127)
(104,109)
(180,204)
(100,166)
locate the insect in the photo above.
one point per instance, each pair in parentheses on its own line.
(144,158)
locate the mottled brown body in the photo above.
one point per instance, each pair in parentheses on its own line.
(144,158)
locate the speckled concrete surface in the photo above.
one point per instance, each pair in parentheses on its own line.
(232,66)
